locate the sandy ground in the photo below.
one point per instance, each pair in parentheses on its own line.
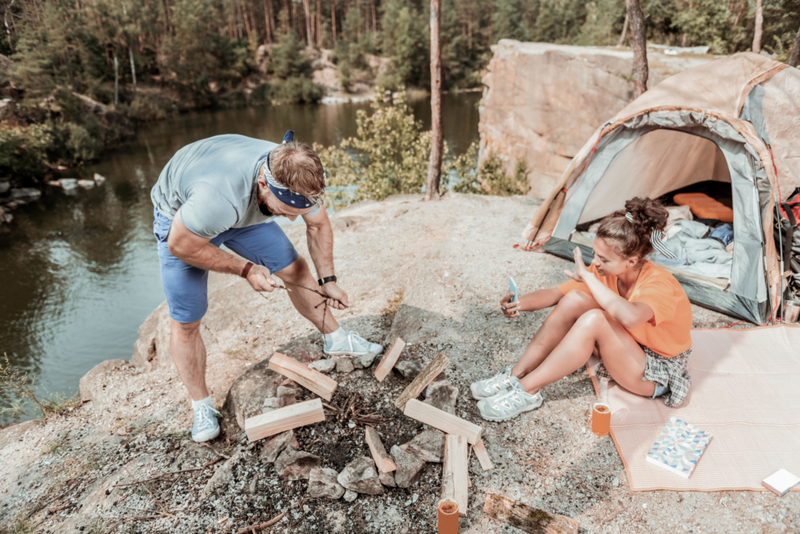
(432,273)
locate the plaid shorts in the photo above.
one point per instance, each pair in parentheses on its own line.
(670,372)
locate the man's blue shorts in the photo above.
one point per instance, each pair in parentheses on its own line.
(186,287)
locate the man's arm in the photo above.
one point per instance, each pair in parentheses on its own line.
(319,236)
(199,252)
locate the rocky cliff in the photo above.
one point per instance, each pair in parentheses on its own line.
(541,101)
(430,272)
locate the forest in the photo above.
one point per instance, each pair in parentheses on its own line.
(147,59)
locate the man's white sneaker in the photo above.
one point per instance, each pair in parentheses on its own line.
(205,425)
(352,345)
(499,383)
(505,406)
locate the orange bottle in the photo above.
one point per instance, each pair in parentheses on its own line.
(601,418)
(448,517)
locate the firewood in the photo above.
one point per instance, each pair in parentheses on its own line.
(455,475)
(379,454)
(526,518)
(423,380)
(322,385)
(447,423)
(283,419)
(388,361)
(483,455)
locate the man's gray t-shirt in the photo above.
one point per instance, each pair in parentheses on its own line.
(214,183)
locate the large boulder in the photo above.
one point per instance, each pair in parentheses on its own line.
(93,384)
(542,101)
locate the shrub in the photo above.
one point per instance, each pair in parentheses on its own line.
(296,90)
(261,95)
(81,146)
(489,178)
(23,153)
(148,108)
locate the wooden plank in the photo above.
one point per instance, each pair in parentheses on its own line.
(526,518)
(283,419)
(422,380)
(447,423)
(379,454)
(312,380)
(483,455)
(389,359)
(455,475)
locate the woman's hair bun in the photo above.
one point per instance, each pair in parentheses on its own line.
(630,230)
(647,213)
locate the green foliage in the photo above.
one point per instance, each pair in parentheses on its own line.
(296,90)
(405,40)
(23,152)
(148,107)
(489,178)
(391,156)
(287,59)
(261,95)
(15,384)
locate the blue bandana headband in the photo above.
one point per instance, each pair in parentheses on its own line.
(283,193)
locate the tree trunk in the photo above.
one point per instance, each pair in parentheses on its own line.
(333,21)
(307,12)
(639,42)
(133,69)
(268,21)
(624,30)
(794,57)
(116,83)
(758,28)
(437,139)
(320,37)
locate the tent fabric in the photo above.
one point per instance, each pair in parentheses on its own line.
(748,106)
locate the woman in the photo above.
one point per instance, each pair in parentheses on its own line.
(631,313)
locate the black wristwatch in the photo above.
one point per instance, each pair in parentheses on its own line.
(323,281)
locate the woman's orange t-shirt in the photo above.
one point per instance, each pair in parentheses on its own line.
(668,333)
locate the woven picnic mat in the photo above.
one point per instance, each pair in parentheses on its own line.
(745,392)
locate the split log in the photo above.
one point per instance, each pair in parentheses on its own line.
(379,454)
(283,419)
(423,380)
(455,475)
(388,361)
(526,518)
(312,380)
(447,423)
(483,455)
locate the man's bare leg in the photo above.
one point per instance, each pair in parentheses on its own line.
(298,274)
(568,310)
(189,354)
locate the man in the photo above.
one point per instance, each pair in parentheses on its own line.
(227,190)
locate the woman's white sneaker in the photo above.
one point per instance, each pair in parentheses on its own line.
(352,345)
(508,405)
(499,383)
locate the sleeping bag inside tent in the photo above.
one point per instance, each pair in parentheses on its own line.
(713,143)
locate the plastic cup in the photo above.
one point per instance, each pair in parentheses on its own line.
(601,418)
(448,517)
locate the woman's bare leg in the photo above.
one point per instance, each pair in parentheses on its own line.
(622,356)
(568,310)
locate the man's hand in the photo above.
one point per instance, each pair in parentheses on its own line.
(510,309)
(338,298)
(581,272)
(260,279)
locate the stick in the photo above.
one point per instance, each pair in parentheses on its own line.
(423,380)
(447,423)
(388,361)
(526,518)
(322,385)
(283,419)
(483,455)
(382,459)
(456,469)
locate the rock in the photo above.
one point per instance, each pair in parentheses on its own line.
(296,465)
(270,405)
(93,384)
(365,361)
(223,475)
(286,396)
(323,366)
(387,479)
(4,187)
(409,369)
(350,496)
(409,466)
(442,395)
(361,476)
(428,445)
(69,184)
(322,483)
(5,217)
(86,184)
(542,102)
(276,444)
(248,392)
(344,365)
(25,194)
(99,179)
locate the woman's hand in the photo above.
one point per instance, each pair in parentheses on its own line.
(581,272)
(510,309)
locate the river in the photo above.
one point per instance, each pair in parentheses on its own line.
(79,274)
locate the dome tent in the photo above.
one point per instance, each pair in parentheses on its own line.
(735,120)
